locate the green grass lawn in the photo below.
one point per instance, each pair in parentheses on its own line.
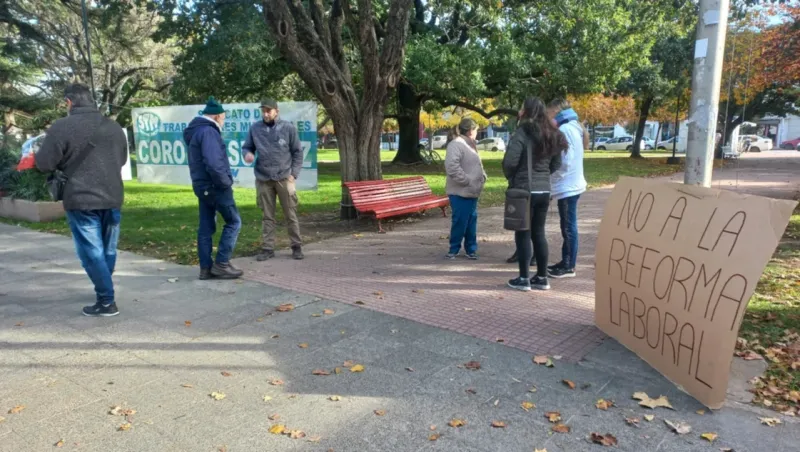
(773,319)
(161,220)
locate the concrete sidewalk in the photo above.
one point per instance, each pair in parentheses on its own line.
(179,340)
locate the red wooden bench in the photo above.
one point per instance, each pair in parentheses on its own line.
(393,197)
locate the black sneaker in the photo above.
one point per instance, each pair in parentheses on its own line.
(556,266)
(225,271)
(265,255)
(205,273)
(522,284)
(450,256)
(297,253)
(472,256)
(561,272)
(101,310)
(540,283)
(512,259)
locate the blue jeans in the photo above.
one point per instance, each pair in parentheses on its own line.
(96,233)
(211,201)
(568,212)
(464,226)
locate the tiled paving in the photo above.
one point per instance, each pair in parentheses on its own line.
(403,272)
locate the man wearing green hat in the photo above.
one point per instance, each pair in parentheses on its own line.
(212,182)
(275,147)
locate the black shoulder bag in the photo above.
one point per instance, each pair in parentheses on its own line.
(57,180)
(517,215)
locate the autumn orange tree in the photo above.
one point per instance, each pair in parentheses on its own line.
(762,67)
(597,109)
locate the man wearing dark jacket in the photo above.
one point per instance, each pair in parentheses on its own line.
(275,147)
(212,182)
(92,149)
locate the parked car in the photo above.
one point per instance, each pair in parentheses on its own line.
(666,145)
(493,144)
(648,143)
(791,144)
(757,143)
(618,144)
(600,141)
(439,141)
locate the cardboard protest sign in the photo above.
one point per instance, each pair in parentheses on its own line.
(675,268)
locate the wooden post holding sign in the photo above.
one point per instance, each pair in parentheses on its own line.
(675,268)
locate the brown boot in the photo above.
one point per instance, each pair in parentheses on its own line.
(225,271)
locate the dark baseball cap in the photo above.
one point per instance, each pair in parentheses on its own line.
(269,103)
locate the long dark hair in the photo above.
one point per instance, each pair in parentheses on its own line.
(548,140)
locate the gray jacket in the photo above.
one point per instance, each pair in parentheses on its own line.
(465,175)
(277,150)
(97,183)
(515,163)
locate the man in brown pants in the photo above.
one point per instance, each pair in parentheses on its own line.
(275,146)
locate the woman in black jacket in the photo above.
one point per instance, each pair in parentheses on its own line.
(538,134)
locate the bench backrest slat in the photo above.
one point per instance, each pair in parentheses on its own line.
(373,192)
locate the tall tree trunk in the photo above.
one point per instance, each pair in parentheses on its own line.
(410,106)
(594,136)
(644,112)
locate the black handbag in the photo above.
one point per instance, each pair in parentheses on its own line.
(517,214)
(57,180)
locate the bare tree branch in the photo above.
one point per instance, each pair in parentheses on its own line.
(480,111)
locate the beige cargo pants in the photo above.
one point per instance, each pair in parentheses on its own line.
(286,193)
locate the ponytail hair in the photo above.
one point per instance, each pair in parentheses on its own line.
(464,127)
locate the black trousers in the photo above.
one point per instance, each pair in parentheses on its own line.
(533,241)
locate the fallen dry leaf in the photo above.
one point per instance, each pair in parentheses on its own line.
(17,409)
(410,369)
(473,365)
(680,428)
(188,323)
(701,412)
(569,383)
(303,345)
(328,311)
(603,404)
(497,402)
(119,411)
(277,429)
(226,374)
(60,443)
(553,416)
(172,280)
(316,315)
(267,398)
(217,395)
(470,391)
(528,406)
(125,427)
(649,417)
(276,382)
(187,385)
(314,439)
(286,307)
(541,359)
(335,398)
(434,437)
(380,412)
(357,368)
(539,450)
(337,370)
(360,303)
(749,355)
(457,423)
(432,427)
(606,440)
(770,421)
(348,364)
(20,324)
(2,419)
(498,424)
(533,389)
(634,421)
(275,336)
(320,372)
(297,434)
(273,417)
(646,401)
(710,437)
(561,428)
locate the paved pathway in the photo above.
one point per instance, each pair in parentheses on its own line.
(178,340)
(403,272)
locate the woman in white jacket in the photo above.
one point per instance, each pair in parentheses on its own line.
(568,183)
